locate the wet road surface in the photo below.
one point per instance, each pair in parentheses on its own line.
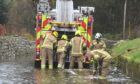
(23,72)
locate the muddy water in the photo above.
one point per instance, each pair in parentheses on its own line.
(22,71)
(132,69)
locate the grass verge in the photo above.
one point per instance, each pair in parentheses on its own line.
(129,49)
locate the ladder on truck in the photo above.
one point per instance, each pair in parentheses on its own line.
(63,19)
(43,6)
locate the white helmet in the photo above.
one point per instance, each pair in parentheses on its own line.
(98,35)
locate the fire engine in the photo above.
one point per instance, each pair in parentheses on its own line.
(65,20)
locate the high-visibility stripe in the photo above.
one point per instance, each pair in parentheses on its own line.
(38,29)
(90,32)
(38,34)
(81,28)
(87,33)
(83,24)
(90,36)
(88,43)
(37,41)
(48,27)
(39,46)
(38,49)
(90,29)
(45,23)
(80,48)
(86,21)
(87,39)
(44,16)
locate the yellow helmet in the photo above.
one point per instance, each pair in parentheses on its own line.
(77,33)
(55,33)
(64,37)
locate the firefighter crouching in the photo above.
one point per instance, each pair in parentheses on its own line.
(61,50)
(47,49)
(101,62)
(98,43)
(77,45)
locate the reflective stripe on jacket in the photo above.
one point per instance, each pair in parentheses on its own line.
(101,53)
(77,44)
(49,41)
(43,34)
(62,45)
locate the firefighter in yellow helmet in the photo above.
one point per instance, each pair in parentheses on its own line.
(77,44)
(61,50)
(47,49)
(98,43)
(101,62)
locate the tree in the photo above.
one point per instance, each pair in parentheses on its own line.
(108,14)
(21,14)
(3,11)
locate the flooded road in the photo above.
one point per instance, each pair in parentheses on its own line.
(23,72)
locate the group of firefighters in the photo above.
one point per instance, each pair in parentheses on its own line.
(98,57)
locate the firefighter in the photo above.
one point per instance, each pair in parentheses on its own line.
(101,62)
(47,49)
(43,35)
(98,43)
(77,45)
(61,50)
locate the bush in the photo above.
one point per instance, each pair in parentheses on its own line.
(112,36)
(136,32)
(2,30)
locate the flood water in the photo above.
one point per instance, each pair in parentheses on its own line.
(22,71)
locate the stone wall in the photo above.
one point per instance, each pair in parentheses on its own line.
(13,46)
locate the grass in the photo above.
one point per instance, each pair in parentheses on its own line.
(29,36)
(133,46)
(26,35)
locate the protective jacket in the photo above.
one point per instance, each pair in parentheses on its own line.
(43,34)
(77,44)
(101,61)
(99,45)
(49,41)
(95,54)
(62,45)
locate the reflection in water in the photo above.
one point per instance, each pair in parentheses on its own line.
(77,77)
(23,72)
(61,77)
(13,73)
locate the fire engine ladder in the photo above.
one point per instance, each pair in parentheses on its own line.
(43,6)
